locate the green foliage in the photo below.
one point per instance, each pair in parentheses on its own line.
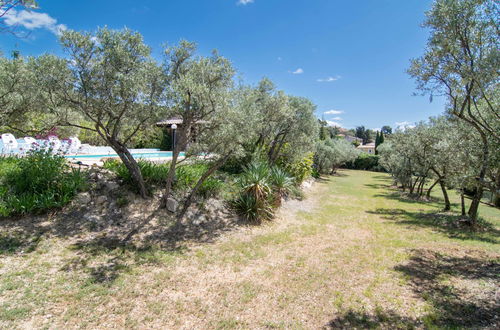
(366,162)
(331,154)
(262,188)
(155,174)
(301,169)
(252,209)
(153,137)
(152,173)
(37,183)
(188,175)
(315,173)
(281,183)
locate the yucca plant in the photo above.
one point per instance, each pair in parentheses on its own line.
(281,184)
(252,209)
(253,200)
(255,180)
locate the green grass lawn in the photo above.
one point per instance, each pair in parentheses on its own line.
(354,253)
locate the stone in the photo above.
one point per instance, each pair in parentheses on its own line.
(101,199)
(83,199)
(111,185)
(172,205)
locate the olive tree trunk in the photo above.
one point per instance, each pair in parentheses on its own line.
(131,165)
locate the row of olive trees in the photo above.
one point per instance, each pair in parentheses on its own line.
(108,83)
(439,152)
(461,62)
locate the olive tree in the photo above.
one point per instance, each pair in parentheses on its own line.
(108,84)
(284,127)
(331,154)
(199,93)
(461,62)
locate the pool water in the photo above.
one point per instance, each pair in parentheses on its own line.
(141,155)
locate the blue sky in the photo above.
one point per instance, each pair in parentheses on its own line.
(349,57)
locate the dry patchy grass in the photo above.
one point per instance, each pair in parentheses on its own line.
(353,254)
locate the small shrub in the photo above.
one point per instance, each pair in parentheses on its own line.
(315,173)
(301,169)
(38,182)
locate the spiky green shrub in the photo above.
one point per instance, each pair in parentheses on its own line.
(252,209)
(262,188)
(281,184)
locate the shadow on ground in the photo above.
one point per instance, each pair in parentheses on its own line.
(461,291)
(448,224)
(106,244)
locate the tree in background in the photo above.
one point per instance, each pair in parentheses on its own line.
(366,134)
(461,62)
(331,154)
(387,130)
(379,139)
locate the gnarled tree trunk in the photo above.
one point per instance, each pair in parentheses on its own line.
(131,165)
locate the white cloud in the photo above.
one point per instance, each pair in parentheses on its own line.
(244,2)
(329,79)
(333,123)
(298,71)
(333,112)
(376,129)
(33,20)
(403,125)
(337,118)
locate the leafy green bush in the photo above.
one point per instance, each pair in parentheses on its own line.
(301,169)
(366,162)
(38,182)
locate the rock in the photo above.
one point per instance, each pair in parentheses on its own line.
(83,199)
(199,220)
(111,186)
(101,199)
(172,205)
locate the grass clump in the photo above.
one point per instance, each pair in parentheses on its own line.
(36,183)
(152,173)
(186,176)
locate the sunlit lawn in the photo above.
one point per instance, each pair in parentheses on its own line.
(354,253)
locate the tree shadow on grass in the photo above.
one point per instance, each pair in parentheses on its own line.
(406,198)
(107,241)
(461,291)
(379,319)
(445,223)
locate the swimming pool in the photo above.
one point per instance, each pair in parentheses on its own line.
(137,155)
